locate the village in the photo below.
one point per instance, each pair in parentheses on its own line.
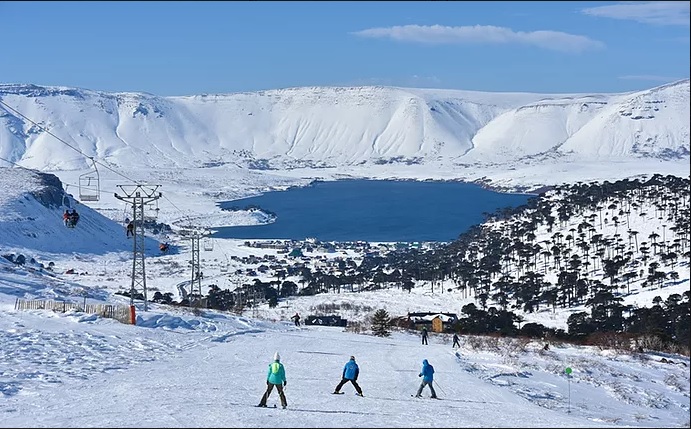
(261,277)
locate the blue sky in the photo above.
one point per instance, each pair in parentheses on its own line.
(185,48)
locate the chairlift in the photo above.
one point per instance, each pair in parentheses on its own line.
(208,244)
(66,199)
(70,219)
(89,184)
(151,207)
(67,218)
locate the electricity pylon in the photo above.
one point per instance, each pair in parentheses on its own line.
(138,196)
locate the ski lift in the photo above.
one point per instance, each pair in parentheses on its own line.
(208,244)
(66,199)
(89,184)
(67,218)
(151,207)
(70,219)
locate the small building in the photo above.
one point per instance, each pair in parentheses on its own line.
(326,321)
(435,322)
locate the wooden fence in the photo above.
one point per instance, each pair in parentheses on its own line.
(120,313)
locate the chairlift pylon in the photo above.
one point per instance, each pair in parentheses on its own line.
(89,184)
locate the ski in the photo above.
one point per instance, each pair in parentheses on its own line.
(337,393)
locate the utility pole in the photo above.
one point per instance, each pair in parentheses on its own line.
(138,196)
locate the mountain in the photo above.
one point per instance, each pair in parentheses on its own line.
(75,366)
(341,126)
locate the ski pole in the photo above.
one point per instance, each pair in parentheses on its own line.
(442,390)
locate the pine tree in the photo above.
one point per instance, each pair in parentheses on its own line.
(381,323)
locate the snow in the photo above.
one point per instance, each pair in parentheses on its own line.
(177,370)
(181,368)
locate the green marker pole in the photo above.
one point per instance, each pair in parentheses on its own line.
(568,371)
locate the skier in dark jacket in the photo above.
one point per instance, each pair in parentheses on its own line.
(455,341)
(424,335)
(350,373)
(427,374)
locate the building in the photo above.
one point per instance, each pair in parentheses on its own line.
(326,321)
(434,322)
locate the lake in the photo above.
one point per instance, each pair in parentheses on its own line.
(372,210)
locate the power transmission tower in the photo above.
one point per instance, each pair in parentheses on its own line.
(138,196)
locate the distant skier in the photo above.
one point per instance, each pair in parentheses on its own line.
(424,335)
(351,370)
(455,341)
(276,377)
(66,218)
(296,319)
(130,229)
(427,374)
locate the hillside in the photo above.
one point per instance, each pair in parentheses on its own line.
(633,242)
(340,126)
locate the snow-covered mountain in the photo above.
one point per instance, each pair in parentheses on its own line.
(340,126)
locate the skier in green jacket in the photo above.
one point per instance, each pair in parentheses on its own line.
(276,377)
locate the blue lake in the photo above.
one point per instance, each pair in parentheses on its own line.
(372,210)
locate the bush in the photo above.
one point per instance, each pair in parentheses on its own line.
(610,340)
(354,327)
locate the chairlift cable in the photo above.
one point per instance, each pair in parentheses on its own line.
(93,160)
(64,142)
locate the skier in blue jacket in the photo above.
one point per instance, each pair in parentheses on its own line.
(276,377)
(427,374)
(350,373)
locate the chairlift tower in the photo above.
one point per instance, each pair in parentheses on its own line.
(139,196)
(196,284)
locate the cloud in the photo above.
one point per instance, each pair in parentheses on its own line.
(658,13)
(650,77)
(482,34)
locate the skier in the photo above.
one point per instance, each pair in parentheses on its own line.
(296,319)
(276,377)
(455,341)
(130,229)
(350,373)
(424,335)
(427,374)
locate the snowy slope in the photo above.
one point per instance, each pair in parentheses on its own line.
(31,209)
(337,126)
(652,123)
